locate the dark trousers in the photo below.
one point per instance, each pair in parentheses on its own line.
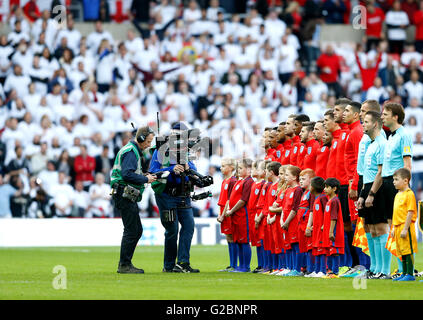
(174,249)
(132,227)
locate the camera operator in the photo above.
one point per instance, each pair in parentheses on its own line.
(127,182)
(175,207)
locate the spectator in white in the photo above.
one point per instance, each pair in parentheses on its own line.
(268,61)
(42,110)
(94,38)
(18,15)
(11,134)
(253,92)
(83,129)
(317,87)
(286,109)
(17,81)
(33,147)
(221,64)
(73,35)
(23,56)
(47,24)
(28,128)
(86,57)
(417,168)
(414,87)
(6,193)
(409,54)
(64,109)
(121,64)
(54,98)
(213,10)
(203,25)
(15,37)
(76,75)
(273,88)
(145,57)
(38,46)
(287,56)
(49,62)
(244,62)
(275,28)
(63,195)
(133,43)
(412,127)
(104,71)
(397,22)
(81,200)
(40,76)
(6,51)
(289,90)
(100,198)
(233,88)
(49,177)
(39,160)
(414,110)
(262,114)
(222,34)
(192,12)
(166,9)
(377,91)
(312,108)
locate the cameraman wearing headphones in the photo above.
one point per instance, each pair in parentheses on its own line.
(127,182)
(174,206)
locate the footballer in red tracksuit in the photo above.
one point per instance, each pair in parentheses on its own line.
(279,151)
(296,146)
(310,157)
(341,172)
(286,156)
(331,162)
(322,159)
(350,157)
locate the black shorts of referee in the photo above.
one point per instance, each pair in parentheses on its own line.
(343,198)
(376,213)
(388,195)
(359,187)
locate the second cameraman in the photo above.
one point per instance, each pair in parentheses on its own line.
(175,208)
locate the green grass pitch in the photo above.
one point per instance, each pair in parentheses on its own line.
(27,273)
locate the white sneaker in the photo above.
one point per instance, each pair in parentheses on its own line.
(319,275)
(274,272)
(280,272)
(310,275)
(284,272)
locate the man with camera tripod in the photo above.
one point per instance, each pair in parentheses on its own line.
(174,205)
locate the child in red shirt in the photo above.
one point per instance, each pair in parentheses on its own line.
(237,208)
(258,174)
(289,221)
(317,186)
(304,212)
(227,168)
(272,172)
(333,227)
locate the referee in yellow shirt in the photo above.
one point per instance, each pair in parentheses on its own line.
(403,219)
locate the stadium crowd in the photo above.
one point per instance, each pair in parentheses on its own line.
(67,100)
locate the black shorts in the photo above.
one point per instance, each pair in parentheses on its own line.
(359,187)
(343,198)
(376,213)
(388,195)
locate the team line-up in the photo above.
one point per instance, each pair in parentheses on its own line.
(330,199)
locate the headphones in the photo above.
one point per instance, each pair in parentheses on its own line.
(141,138)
